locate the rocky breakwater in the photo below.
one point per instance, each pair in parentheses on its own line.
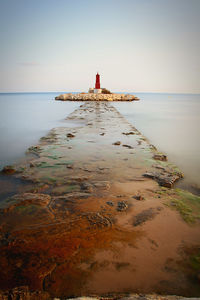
(96,97)
(99,215)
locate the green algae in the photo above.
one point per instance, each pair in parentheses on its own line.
(45,164)
(48,166)
(65,189)
(195,261)
(53,157)
(48,179)
(165,191)
(187,204)
(21,169)
(184,210)
(64,162)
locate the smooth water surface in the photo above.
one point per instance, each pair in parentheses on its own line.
(171,122)
(24,118)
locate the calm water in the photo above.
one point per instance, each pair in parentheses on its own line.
(26,117)
(170,121)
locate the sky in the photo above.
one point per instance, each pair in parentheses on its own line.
(135,45)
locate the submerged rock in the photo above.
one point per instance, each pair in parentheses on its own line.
(25,200)
(160,156)
(117,143)
(70,135)
(8,170)
(23,293)
(105,185)
(127,146)
(110,203)
(128,133)
(138,197)
(144,216)
(121,206)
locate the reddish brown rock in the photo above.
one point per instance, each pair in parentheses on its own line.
(8,170)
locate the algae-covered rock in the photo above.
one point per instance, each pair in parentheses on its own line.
(160,156)
(8,170)
(25,199)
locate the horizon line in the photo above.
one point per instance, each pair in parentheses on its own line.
(40,92)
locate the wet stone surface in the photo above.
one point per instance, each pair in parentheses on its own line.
(73,221)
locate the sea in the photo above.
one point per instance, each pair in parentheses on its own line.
(171,122)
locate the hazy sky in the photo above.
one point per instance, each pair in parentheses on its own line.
(135,45)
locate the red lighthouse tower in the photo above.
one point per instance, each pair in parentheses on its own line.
(97,84)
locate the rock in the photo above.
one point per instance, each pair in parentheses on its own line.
(159,167)
(128,133)
(105,91)
(73,195)
(70,135)
(165,179)
(96,97)
(127,146)
(8,170)
(121,206)
(138,197)
(87,187)
(149,175)
(102,185)
(152,147)
(34,149)
(160,156)
(70,166)
(51,137)
(79,178)
(25,199)
(23,293)
(117,143)
(87,170)
(110,203)
(99,220)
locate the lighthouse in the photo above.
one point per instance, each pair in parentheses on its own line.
(97,89)
(97,84)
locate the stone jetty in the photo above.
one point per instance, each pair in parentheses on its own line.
(93,211)
(96,97)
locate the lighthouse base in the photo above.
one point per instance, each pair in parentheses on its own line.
(97,91)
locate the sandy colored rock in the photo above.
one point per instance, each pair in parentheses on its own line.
(96,97)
